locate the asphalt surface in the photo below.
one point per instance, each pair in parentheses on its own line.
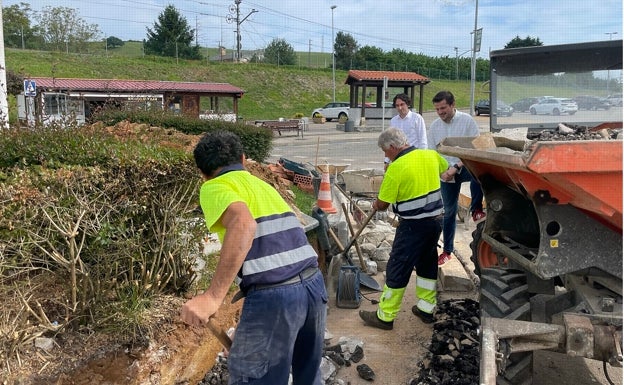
(326,143)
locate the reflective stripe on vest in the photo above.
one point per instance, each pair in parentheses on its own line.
(425,206)
(279,251)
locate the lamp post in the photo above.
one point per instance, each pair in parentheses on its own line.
(610,34)
(333,56)
(608,72)
(457,56)
(473,65)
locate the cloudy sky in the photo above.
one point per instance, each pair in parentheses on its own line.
(431,27)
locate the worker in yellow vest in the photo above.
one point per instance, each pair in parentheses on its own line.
(264,247)
(411,185)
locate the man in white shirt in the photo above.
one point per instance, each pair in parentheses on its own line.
(451,122)
(408,121)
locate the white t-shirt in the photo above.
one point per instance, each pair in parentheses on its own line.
(461,125)
(413,125)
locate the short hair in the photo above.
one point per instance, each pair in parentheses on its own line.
(391,137)
(404,98)
(217,149)
(444,95)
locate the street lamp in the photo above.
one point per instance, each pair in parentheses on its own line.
(473,64)
(333,55)
(457,56)
(608,72)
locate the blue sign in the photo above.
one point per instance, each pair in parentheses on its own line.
(30,88)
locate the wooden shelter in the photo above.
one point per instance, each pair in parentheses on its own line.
(360,80)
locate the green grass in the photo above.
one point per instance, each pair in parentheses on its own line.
(271,92)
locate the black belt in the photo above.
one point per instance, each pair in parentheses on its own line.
(305,274)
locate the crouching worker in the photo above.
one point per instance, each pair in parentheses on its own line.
(282,324)
(412,185)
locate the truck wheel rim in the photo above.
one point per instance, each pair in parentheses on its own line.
(487,257)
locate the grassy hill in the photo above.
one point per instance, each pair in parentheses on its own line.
(270,91)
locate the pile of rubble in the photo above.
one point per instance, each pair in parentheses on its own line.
(453,356)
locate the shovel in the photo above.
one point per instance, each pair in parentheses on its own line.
(221,335)
(365,279)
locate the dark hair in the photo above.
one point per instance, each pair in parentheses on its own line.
(404,98)
(217,149)
(444,95)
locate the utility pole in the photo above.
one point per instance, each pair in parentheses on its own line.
(608,72)
(4,104)
(456,64)
(333,55)
(235,8)
(476,46)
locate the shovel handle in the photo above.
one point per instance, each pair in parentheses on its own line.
(364,224)
(336,239)
(218,332)
(357,245)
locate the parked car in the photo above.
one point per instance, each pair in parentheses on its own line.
(524,104)
(587,102)
(482,107)
(615,100)
(554,106)
(334,110)
(502,108)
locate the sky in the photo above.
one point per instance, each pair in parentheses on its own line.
(432,27)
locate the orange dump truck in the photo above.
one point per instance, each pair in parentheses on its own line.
(549,255)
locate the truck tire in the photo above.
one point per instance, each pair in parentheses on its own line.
(504,294)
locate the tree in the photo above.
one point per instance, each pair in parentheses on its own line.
(280,52)
(61,27)
(517,42)
(18,33)
(345,48)
(368,55)
(114,42)
(171,36)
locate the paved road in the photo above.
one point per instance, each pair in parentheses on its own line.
(324,143)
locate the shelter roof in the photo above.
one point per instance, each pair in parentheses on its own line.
(119,85)
(370,77)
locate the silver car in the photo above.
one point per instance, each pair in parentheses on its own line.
(554,106)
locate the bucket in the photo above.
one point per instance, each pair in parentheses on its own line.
(316,183)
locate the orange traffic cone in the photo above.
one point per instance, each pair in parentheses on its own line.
(324,201)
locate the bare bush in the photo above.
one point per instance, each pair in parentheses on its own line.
(117,236)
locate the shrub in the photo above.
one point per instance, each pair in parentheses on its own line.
(116,224)
(257,141)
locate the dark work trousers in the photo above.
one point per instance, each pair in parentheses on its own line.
(415,245)
(281,328)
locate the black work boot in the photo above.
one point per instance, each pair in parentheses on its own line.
(370,318)
(424,317)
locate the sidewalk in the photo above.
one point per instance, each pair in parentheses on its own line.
(371,129)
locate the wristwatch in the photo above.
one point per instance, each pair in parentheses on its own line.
(456,167)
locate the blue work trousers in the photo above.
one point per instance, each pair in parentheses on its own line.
(450,196)
(281,329)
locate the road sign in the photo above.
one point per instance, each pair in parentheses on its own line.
(30,88)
